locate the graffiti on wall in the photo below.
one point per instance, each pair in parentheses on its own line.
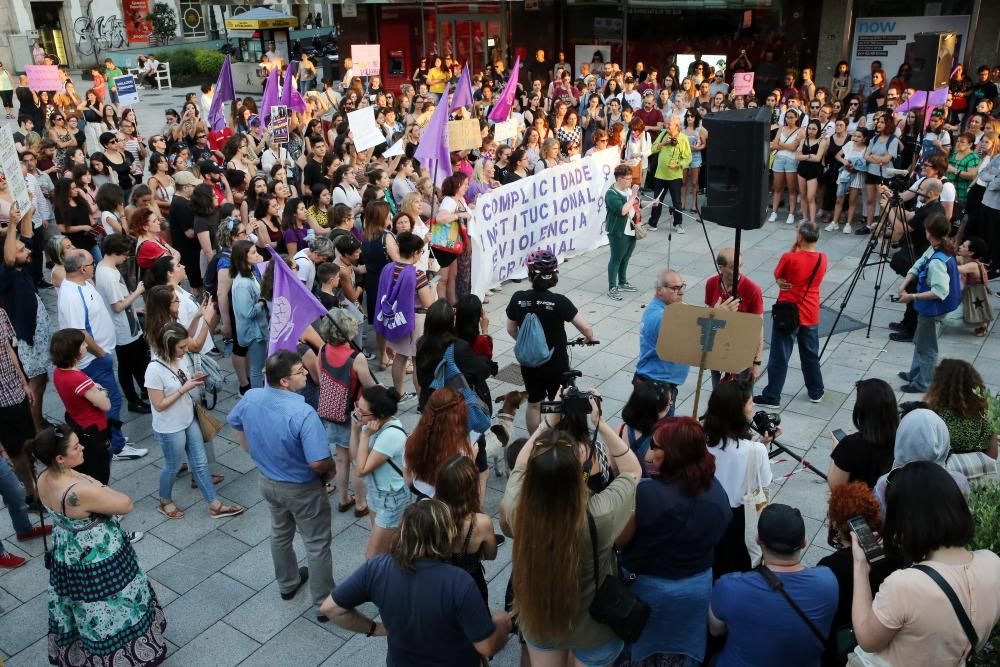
(94,36)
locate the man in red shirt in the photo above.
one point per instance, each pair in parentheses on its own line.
(650,115)
(799,274)
(718,291)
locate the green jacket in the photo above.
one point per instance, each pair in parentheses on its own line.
(679,153)
(615,222)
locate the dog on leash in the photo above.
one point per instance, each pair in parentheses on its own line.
(500,432)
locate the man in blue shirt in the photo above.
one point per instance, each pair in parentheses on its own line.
(669,290)
(286,440)
(762,625)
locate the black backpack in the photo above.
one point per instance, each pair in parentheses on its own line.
(211,277)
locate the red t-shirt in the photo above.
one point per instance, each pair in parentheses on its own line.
(72,384)
(796,267)
(650,118)
(751,298)
(148,252)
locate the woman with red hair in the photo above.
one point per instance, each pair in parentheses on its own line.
(441,433)
(681,513)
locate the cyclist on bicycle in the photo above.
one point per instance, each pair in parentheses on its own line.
(553,310)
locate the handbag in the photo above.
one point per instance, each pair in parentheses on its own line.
(776,585)
(207,422)
(754,501)
(977,307)
(614,604)
(785,314)
(956,604)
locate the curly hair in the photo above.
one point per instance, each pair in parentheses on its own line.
(441,432)
(957,386)
(851,500)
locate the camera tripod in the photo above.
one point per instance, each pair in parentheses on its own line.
(881,242)
(775,449)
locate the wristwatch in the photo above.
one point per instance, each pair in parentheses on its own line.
(371,628)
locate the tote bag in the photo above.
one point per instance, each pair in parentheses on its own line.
(977,307)
(754,500)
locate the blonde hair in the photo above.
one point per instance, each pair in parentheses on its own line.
(479,172)
(411,205)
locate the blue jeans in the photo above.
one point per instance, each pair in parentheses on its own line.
(781,352)
(925,351)
(102,371)
(174,447)
(13,497)
(599,656)
(256,358)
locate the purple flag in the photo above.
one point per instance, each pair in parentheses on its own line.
(918,100)
(504,103)
(271,95)
(432,151)
(224,92)
(463,91)
(289,95)
(293,307)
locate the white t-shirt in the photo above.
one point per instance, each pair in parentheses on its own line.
(307,270)
(186,311)
(421,229)
(731,469)
(108,215)
(82,307)
(948,193)
(346,194)
(180,414)
(111,286)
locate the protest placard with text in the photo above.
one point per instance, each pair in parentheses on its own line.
(11,167)
(279,123)
(743,83)
(43,77)
(464,135)
(366,59)
(128,91)
(364,128)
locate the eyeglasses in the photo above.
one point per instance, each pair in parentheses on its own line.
(301,371)
(112,141)
(675,288)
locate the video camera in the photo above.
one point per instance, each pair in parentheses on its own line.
(898,180)
(765,423)
(574,401)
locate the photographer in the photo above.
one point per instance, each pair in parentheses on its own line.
(674,156)
(553,311)
(547,502)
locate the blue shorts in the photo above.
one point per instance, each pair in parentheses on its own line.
(387,505)
(785,165)
(338,434)
(599,656)
(696,160)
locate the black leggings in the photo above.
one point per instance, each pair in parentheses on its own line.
(674,186)
(8,98)
(132,361)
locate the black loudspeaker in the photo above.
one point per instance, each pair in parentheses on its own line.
(933,55)
(736,167)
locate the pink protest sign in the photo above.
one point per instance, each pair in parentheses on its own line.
(43,77)
(743,83)
(366,59)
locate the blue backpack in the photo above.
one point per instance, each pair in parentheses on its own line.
(530,347)
(447,374)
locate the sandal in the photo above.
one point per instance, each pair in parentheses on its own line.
(980,331)
(343,507)
(224,510)
(174,513)
(360,512)
(216,479)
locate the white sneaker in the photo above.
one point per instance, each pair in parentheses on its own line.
(135,535)
(773,217)
(847,228)
(790,220)
(679,229)
(832,227)
(129,453)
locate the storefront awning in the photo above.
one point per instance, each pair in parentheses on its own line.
(261,18)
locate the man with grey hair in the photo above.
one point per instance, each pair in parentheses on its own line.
(669,289)
(799,274)
(81,306)
(320,249)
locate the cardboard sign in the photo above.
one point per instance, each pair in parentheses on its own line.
(727,341)
(279,123)
(464,135)
(11,167)
(43,77)
(128,92)
(366,59)
(743,83)
(364,128)
(505,130)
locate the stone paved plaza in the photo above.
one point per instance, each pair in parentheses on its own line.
(215,579)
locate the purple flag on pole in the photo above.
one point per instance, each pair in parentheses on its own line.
(224,92)
(293,307)
(504,103)
(463,91)
(289,95)
(918,100)
(271,96)
(432,151)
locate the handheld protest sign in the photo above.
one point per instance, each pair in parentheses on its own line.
(464,135)
(279,123)
(128,92)
(11,167)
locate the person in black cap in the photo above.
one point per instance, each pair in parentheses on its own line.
(212,175)
(764,625)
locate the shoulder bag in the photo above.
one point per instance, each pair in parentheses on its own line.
(754,501)
(776,585)
(977,307)
(956,604)
(785,314)
(614,605)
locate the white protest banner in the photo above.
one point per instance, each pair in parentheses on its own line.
(743,83)
(561,209)
(365,129)
(394,150)
(505,130)
(366,59)
(890,40)
(11,167)
(43,77)
(128,92)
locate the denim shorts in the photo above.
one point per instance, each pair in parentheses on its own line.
(785,165)
(339,434)
(696,160)
(388,505)
(598,656)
